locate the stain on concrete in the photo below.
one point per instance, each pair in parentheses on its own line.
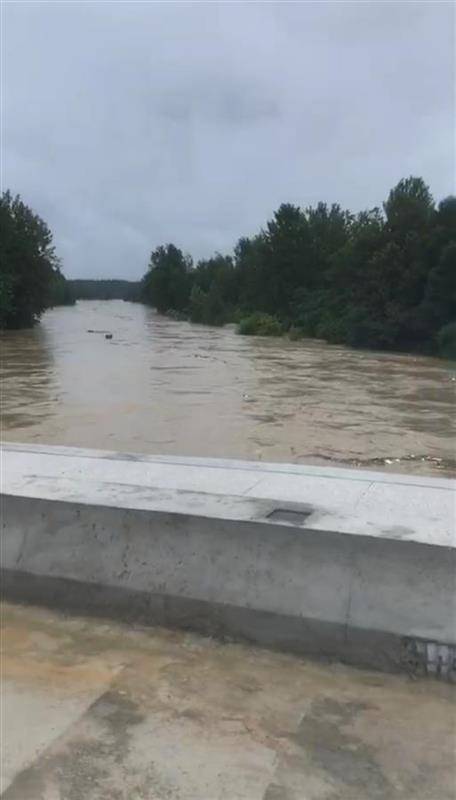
(118,713)
(84,766)
(182,717)
(117,456)
(398,532)
(350,763)
(291,516)
(276,792)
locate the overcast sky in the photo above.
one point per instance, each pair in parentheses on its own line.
(128,125)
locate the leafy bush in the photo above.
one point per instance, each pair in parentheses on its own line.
(332,329)
(260,325)
(237,315)
(446,341)
(7,306)
(198,299)
(207,307)
(365,331)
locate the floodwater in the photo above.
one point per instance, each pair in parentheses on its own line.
(168,387)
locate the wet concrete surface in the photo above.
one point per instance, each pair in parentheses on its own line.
(97,711)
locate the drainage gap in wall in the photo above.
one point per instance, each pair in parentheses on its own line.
(430,658)
(289,515)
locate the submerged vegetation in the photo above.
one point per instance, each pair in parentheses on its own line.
(259,324)
(382,278)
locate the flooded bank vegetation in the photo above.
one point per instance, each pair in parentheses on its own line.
(382,278)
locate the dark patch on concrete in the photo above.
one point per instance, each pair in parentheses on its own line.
(398,532)
(30,784)
(117,713)
(89,599)
(300,635)
(124,457)
(276,792)
(344,758)
(78,768)
(291,516)
(191,713)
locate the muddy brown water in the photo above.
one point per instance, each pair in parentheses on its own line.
(168,387)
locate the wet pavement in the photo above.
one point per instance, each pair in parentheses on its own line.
(94,710)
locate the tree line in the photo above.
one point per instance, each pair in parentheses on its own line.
(383,278)
(104,289)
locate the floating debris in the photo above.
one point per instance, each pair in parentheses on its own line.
(446,465)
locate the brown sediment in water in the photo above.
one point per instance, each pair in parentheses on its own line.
(163,386)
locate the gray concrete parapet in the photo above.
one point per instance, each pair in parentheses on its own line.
(337,563)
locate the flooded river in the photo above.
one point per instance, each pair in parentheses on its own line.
(161,386)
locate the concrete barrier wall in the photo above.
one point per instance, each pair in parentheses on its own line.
(275,563)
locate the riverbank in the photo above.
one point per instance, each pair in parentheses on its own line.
(268,325)
(378,280)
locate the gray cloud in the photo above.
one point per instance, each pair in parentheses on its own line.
(127,125)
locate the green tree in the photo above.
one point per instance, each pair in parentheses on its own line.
(409,208)
(29,267)
(198,301)
(446,215)
(216,308)
(208,307)
(167,283)
(288,259)
(382,279)
(329,230)
(440,294)
(61,293)
(217,270)
(7,308)
(250,272)
(104,289)
(446,341)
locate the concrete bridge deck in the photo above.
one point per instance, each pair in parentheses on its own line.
(352,501)
(94,710)
(353,565)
